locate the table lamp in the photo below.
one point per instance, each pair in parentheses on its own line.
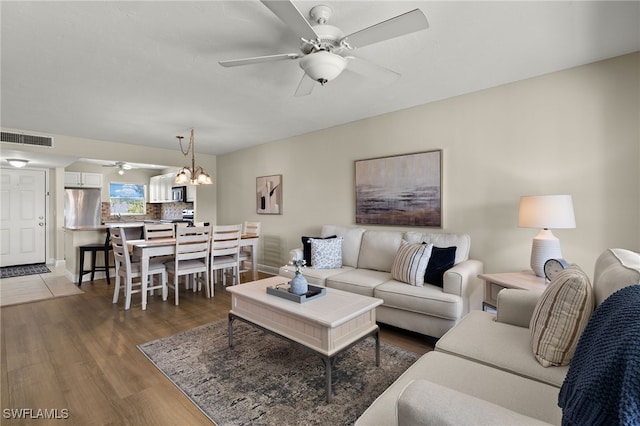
(545,212)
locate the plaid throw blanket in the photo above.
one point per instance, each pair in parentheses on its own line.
(602,386)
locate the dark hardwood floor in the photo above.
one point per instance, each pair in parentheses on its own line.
(78,355)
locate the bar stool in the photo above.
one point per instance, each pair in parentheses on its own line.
(95,249)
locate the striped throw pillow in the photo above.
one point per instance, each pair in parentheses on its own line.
(560,316)
(411,262)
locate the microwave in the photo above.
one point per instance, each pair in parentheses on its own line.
(179,194)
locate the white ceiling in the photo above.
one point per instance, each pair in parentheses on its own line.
(143,72)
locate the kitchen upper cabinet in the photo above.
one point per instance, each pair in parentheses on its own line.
(191,194)
(160,188)
(83,180)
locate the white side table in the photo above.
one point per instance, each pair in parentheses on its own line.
(493,283)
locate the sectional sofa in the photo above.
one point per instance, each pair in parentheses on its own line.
(484,370)
(367,260)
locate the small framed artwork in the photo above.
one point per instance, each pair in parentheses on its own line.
(269,194)
(402,190)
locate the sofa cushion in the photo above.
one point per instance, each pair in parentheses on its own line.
(306,248)
(510,391)
(429,299)
(314,276)
(560,316)
(326,254)
(462,242)
(359,281)
(442,259)
(410,263)
(480,338)
(378,250)
(352,238)
(423,402)
(615,268)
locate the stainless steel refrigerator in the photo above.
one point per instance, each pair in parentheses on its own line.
(82,207)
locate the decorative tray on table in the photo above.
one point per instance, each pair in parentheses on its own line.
(313,292)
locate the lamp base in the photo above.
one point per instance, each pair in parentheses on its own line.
(545,246)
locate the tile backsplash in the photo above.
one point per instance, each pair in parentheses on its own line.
(155,211)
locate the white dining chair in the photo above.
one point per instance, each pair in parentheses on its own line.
(126,271)
(225,249)
(154,231)
(159,230)
(246,253)
(191,258)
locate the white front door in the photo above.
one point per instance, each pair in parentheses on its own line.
(22,217)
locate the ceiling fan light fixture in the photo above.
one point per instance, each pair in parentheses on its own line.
(323,66)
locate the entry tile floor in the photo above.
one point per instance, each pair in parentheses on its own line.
(31,288)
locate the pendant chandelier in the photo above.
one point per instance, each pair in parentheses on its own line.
(191,175)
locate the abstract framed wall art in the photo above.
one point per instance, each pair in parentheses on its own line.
(402,190)
(269,194)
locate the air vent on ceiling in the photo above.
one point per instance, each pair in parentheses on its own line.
(23,139)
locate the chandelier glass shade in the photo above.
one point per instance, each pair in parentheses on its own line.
(194,175)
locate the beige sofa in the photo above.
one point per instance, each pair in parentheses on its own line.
(367,258)
(483,370)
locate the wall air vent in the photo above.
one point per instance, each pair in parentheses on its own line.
(23,139)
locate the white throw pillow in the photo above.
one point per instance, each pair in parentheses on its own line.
(411,263)
(326,254)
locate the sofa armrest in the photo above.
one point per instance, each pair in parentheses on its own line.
(426,403)
(462,280)
(515,306)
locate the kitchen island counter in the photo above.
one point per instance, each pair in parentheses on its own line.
(109,225)
(76,236)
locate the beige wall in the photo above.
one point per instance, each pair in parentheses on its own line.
(571,132)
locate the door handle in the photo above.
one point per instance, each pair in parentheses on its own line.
(41,224)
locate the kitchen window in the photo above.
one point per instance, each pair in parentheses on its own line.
(127,199)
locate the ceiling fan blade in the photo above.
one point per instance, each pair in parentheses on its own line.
(306,85)
(369,69)
(258,59)
(400,25)
(290,15)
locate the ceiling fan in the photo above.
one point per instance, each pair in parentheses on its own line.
(121,165)
(324,47)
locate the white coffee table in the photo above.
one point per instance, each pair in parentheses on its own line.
(326,326)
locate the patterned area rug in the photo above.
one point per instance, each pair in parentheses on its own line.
(22,270)
(264,380)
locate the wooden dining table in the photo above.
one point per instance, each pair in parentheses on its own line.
(146,249)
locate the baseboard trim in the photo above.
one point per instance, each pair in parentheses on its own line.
(271,270)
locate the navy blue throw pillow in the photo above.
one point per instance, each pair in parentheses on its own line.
(306,247)
(442,259)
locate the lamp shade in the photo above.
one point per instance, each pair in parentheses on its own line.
(546,211)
